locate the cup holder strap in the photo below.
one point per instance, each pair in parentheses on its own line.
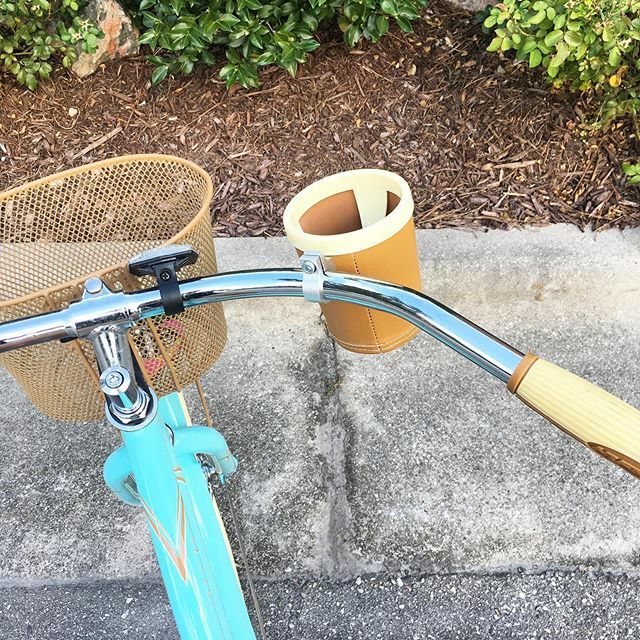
(372,205)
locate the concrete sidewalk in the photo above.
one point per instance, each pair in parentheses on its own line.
(413,463)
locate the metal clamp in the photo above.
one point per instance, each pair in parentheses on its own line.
(128,407)
(139,416)
(314,274)
(163,263)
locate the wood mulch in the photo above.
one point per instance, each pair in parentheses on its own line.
(481,142)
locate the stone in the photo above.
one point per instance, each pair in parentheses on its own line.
(472,5)
(120,37)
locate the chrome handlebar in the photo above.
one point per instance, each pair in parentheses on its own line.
(118,308)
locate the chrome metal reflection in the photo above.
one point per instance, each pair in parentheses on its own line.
(444,324)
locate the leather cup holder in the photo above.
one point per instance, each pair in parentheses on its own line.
(363,220)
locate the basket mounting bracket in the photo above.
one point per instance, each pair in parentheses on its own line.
(164,263)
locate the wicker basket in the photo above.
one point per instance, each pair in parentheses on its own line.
(57,232)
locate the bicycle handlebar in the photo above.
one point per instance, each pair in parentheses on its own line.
(84,316)
(571,403)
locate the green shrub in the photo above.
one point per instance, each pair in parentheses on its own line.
(582,44)
(35,34)
(255,33)
(632,171)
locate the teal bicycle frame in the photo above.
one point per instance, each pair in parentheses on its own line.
(188,535)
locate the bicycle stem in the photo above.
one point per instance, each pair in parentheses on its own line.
(444,324)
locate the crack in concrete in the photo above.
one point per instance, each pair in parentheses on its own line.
(330,446)
(331,443)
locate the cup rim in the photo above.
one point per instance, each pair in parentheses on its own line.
(353,241)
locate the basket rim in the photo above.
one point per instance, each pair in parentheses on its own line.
(127,159)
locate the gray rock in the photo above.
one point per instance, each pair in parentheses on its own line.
(472,5)
(120,37)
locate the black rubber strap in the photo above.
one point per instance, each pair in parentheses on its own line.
(169,288)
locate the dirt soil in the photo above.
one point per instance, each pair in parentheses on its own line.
(482,143)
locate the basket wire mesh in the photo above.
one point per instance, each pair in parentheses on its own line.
(58,231)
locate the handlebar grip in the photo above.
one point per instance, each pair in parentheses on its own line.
(597,419)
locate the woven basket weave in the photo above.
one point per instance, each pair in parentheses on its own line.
(57,232)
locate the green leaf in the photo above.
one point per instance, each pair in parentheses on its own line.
(159,74)
(352,35)
(291,67)
(228,21)
(490,20)
(207,57)
(562,54)
(614,57)
(147,37)
(382,24)
(553,38)
(538,17)
(560,21)
(535,58)
(92,42)
(227,70)
(495,44)
(632,171)
(269,57)
(389,6)
(573,39)
(404,24)
(309,45)
(310,21)
(209,24)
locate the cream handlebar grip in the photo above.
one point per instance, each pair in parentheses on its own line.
(599,420)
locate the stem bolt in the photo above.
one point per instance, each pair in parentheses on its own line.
(308,267)
(114,379)
(93,286)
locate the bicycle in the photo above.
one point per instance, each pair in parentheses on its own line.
(164,463)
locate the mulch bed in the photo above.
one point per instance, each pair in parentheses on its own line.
(481,142)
